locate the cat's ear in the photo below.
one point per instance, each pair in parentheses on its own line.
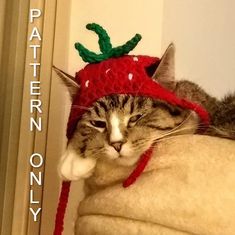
(69,81)
(165,72)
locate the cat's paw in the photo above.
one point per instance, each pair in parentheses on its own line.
(74,167)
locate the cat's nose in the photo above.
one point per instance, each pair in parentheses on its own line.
(117,146)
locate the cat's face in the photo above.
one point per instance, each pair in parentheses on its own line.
(121,127)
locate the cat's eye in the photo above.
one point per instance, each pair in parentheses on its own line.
(99,124)
(175,112)
(135,118)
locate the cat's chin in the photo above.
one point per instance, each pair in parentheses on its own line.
(126,161)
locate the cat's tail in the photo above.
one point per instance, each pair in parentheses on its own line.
(224,117)
(229,99)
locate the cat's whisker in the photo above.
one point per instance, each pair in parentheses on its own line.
(178,128)
(221,129)
(163,137)
(167,138)
(221,132)
(183,122)
(173,132)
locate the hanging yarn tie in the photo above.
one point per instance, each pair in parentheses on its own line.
(61,209)
(105,46)
(144,159)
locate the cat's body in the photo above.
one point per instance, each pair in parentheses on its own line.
(223,118)
(120,128)
(222,112)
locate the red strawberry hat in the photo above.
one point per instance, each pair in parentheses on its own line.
(115,72)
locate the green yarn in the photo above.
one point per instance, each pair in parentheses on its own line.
(105,46)
(104,39)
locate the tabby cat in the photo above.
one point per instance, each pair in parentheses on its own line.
(120,128)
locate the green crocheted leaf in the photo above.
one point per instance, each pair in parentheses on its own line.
(127,47)
(105,46)
(89,56)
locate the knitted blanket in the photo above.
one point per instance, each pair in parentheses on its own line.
(188,188)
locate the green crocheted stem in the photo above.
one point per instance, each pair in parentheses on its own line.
(105,46)
(104,39)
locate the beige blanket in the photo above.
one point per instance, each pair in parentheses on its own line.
(187,188)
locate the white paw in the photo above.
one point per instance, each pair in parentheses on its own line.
(74,167)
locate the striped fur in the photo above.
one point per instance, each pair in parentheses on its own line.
(122,127)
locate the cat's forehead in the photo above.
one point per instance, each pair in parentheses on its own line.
(120,105)
(123,106)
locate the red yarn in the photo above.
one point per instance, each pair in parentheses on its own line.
(139,168)
(63,200)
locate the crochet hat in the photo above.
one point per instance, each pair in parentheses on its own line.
(115,72)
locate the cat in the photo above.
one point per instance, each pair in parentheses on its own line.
(222,112)
(120,128)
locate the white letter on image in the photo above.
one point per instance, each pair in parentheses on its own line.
(34,13)
(35,68)
(35,34)
(33,89)
(38,124)
(35,213)
(34,50)
(33,178)
(35,104)
(31,198)
(32,160)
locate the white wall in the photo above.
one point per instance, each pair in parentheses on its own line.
(204,35)
(122,19)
